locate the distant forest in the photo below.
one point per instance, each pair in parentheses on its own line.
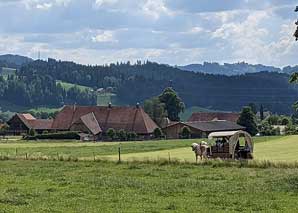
(35,85)
(235,69)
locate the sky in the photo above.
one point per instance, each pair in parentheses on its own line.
(175,32)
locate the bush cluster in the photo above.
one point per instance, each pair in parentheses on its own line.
(121,135)
(55,136)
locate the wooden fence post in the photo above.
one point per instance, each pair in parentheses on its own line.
(119,153)
(26,156)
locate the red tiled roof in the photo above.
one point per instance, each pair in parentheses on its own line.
(41,124)
(130,119)
(211,116)
(90,122)
(33,123)
(28,116)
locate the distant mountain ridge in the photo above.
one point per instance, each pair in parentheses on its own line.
(235,69)
(34,85)
(14,61)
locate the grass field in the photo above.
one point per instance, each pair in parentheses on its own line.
(148,186)
(102,99)
(106,98)
(67,86)
(266,148)
(53,186)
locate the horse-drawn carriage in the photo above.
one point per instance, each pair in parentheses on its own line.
(228,145)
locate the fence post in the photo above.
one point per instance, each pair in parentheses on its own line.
(169,157)
(26,156)
(119,153)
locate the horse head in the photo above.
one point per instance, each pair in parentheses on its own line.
(194,146)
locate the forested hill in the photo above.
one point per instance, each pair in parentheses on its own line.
(137,82)
(14,61)
(235,69)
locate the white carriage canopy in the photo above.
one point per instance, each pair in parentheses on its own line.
(233,139)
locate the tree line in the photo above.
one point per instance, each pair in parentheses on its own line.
(137,82)
(41,90)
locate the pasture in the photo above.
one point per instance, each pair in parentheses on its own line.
(266,148)
(105,98)
(55,186)
(91,181)
(68,86)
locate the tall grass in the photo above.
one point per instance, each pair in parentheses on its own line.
(262,164)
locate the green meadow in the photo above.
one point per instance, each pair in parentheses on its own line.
(266,148)
(67,86)
(153,176)
(56,186)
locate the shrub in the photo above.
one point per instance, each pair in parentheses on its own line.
(32,132)
(158,133)
(185,133)
(4,129)
(111,134)
(266,129)
(55,136)
(122,135)
(131,136)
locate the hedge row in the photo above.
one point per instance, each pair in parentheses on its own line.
(55,136)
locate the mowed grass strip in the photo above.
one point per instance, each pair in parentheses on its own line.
(87,150)
(266,148)
(47,186)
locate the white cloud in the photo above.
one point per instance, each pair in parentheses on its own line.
(100,3)
(44,6)
(156,8)
(105,36)
(166,31)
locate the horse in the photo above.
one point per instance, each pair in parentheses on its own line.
(200,150)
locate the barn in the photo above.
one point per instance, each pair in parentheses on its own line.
(22,123)
(200,129)
(96,120)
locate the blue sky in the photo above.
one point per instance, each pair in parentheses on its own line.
(166,31)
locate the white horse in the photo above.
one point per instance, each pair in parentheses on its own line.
(200,150)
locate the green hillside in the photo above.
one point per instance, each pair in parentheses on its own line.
(105,98)
(7,71)
(67,86)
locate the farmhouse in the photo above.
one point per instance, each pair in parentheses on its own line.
(213,116)
(200,129)
(22,123)
(96,120)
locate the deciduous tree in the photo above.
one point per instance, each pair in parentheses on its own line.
(247,119)
(173,103)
